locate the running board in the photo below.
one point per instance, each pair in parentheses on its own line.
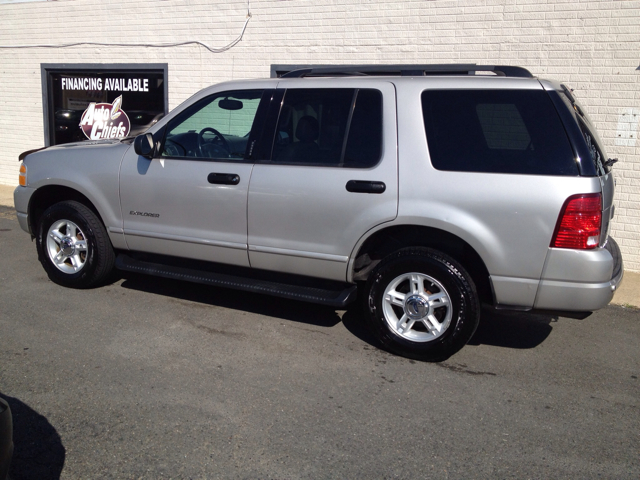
(333,298)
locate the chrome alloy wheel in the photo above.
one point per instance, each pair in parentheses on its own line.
(67,246)
(417,307)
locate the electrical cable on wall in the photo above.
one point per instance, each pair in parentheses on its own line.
(152,45)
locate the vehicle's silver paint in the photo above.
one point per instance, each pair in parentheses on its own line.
(576,296)
(588,266)
(299,253)
(514,292)
(23,221)
(190,210)
(21,197)
(577,280)
(185,239)
(90,168)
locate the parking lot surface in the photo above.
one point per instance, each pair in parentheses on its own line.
(151,378)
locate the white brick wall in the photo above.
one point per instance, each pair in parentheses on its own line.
(592,45)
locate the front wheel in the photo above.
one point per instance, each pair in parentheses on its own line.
(73,246)
(422,304)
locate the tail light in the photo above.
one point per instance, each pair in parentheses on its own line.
(22,177)
(579,223)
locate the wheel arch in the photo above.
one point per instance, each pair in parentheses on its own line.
(48,195)
(392,238)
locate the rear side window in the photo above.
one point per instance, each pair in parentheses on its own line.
(496,131)
(329,127)
(364,141)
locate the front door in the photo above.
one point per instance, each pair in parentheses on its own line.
(191,199)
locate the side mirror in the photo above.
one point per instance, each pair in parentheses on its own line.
(144,145)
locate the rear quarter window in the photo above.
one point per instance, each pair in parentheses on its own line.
(496,131)
(594,144)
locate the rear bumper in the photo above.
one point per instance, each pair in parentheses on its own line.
(580,281)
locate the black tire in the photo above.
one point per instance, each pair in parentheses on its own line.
(445,285)
(88,259)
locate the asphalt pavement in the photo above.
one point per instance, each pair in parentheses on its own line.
(151,378)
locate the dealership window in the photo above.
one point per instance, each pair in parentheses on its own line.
(102,101)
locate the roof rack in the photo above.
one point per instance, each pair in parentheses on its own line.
(299,71)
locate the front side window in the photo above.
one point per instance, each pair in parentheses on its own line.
(496,131)
(331,127)
(216,127)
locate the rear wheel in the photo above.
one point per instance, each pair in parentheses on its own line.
(73,246)
(422,304)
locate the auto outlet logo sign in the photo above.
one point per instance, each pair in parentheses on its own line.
(105,120)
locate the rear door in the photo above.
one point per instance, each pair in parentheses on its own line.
(331,175)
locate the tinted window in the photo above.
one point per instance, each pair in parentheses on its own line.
(216,127)
(594,144)
(497,131)
(503,127)
(364,145)
(333,127)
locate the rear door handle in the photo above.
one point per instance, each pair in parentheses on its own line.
(224,178)
(362,186)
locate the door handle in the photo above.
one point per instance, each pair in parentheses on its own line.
(362,186)
(224,178)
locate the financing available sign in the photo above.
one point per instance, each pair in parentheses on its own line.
(105,120)
(102,101)
(118,84)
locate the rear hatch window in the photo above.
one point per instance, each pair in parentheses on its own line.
(496,131)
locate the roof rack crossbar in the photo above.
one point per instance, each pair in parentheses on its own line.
(408,70)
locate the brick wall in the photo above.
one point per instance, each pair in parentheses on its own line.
(592,45)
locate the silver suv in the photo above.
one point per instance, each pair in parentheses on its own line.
(426,189)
